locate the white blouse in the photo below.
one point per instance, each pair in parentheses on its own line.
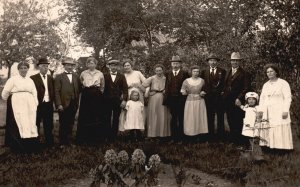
(18,84)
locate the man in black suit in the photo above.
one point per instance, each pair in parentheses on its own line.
(67,89)
(237,84)
(115,97)
(45,90)
(173,97)
(214,77)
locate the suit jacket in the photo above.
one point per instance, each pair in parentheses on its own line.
(237,85)
(117,88)
(213,84)
(64,91)
(169,85)
(40,87)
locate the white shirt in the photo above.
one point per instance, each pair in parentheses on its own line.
(175,72)
(69,76)
(113,77)
(213,70)
(45,81)
(234,70)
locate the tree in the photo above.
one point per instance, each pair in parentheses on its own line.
(24,32)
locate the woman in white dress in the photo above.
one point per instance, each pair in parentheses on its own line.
(21,95)
(195,117)
(275,101)
(134,81)
(158,115)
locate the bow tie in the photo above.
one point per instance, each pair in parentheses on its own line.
(68,73)
(113,73)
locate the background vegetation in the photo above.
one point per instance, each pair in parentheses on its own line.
(149,32)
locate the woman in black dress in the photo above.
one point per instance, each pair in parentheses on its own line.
(90,111)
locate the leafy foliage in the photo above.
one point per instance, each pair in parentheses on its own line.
(24,32)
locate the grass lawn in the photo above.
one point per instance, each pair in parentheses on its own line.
(57,166)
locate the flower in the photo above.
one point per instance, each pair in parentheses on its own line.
(93,173)
(110,157)
(123,157)
(138,157)
(154,161)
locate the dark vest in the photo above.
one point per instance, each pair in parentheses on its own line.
(176,84)
(71,89)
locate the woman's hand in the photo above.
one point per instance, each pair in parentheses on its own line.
(202,93)
(238,102)
(60,108)
(285,115)
(183,92)
(123,104)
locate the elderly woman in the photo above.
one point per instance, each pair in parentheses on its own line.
(90,111)
(195,118)
(21,95)
(158,116)
(134,81)
(275,101)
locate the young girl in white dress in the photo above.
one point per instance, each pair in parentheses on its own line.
(251,125)
(134,120)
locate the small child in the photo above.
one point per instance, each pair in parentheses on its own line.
(251,125)
(134,116)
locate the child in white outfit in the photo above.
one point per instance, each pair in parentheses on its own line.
(251,124)
(134,120)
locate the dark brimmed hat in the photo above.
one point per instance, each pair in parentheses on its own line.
(175,58)
(212,56)
(43,61)
(115,62)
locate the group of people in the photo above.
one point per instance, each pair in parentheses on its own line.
(171,105)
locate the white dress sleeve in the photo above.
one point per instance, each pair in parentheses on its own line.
(33,91)
(142,77)
(287,96)
(7,89)
(262,98)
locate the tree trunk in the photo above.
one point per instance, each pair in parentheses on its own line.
(97,51)
(9,65)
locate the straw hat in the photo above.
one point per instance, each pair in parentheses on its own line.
(115,62)
(235,56)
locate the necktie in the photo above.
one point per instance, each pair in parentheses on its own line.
(175,73)
(213,71)
(44,76)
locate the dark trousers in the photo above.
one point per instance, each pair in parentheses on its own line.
(112,114)
(176,106)
(45,115)
(235,117)
(66,120)
(214,106)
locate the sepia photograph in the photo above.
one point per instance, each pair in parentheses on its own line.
(150,93)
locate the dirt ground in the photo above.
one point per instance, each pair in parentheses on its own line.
(167,179)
